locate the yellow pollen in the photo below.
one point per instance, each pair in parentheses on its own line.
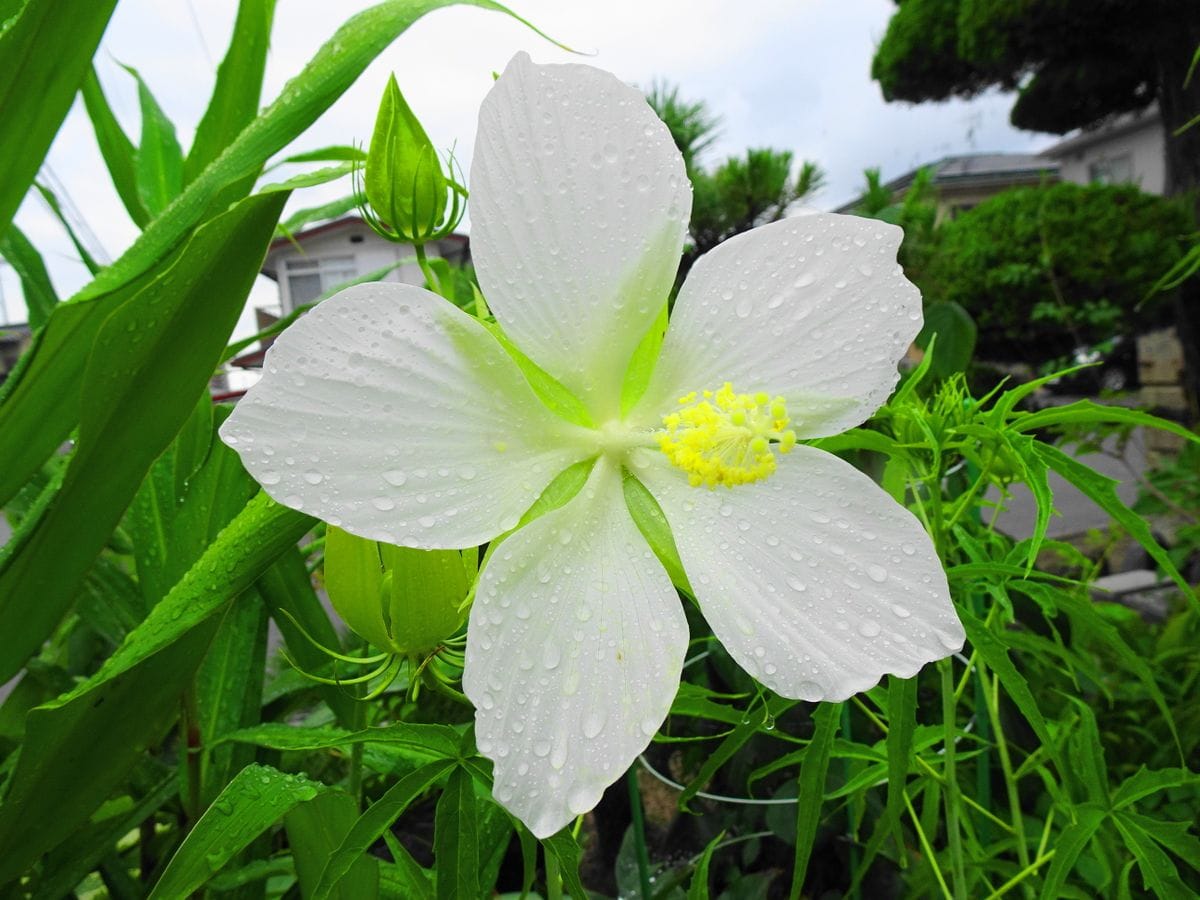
(724,438)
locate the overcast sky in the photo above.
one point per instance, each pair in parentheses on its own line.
(790,74)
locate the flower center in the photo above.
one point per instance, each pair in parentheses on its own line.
(722,437)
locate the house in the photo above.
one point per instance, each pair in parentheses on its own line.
(1130,149)
(964,180)
(309,264)
(313,262)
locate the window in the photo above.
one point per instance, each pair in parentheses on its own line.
(309,278)
(1113,170)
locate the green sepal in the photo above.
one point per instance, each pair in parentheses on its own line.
(404,182)
(427,589)
(354,580)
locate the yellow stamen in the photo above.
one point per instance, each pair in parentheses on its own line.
(726,438)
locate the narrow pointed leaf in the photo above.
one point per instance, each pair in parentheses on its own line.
(39,294)
(120,156)
(236,94)
(44,53)
(811,787)
(456,839)
(251,803)
(132,410)
(159,156)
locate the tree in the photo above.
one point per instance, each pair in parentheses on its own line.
(1073,63)
(742,192)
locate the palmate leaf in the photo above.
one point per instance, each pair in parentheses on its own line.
(1101,490)
(156,350)
(44,53)
(1159,873)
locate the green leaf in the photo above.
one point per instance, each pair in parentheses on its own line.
(331,210)
(315,829)
(1175,836)
(36,288)
(250,804)
(456,848)
(1035,474)
(56,208)
(424,740)
(1145,782)
(698,889)
(1068,846)
(955,330)
(79,748)
(734,741)
(567,851)
(44,54)
(377,819)
(1086,412)
(120,156)
(159,157)
(229,686)
(1086,756)
(995,654)
(156,350)
(1159,874)
(39,403)
(902,722)
(811,787)
(238,90)
(70,863)
(1102,491)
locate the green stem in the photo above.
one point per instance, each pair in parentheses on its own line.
(553,878)
(1010,783)
(427,270)
(951,793)
(1021,876)
(926,848)
(639,832)
(189,724)
(847,772)
(356,749)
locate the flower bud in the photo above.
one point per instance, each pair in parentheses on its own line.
(398,599)
(410,198)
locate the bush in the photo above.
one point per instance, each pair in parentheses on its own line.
(1047,269)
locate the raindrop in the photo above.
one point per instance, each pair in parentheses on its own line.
(593,722)
(395,477)
(383,504)
(268,478)
(868,628)
(796,584)
(877,573)
(312,476)
(900,611)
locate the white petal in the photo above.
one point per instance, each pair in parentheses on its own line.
(574,651)
(579,206)
(815,580)
(394,415)
(814,308)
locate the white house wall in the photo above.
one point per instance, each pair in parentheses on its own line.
(1144,147)
(371,254)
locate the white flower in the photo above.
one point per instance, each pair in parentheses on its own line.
(396,416)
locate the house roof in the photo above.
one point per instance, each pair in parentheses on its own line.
(14,332)
(332,226)
(974,170)
(1113,128)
